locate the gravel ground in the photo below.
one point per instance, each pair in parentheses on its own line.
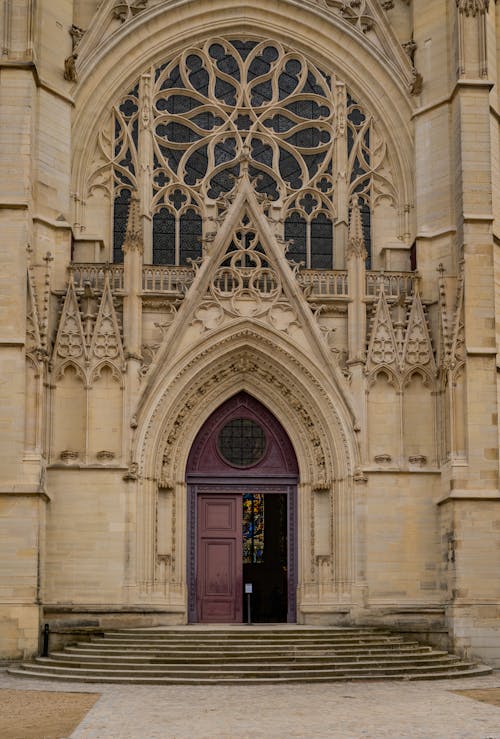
(379,710)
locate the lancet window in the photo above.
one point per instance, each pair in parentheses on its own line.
(181,133)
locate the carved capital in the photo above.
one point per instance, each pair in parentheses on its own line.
(419,459)
(383,458)
(68,456)
(70,72)
(105,456)
(473,7)
(132,472)
(360,477)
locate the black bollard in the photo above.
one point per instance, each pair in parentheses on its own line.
(45,650)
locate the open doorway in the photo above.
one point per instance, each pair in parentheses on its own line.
(242,499)
(265,556)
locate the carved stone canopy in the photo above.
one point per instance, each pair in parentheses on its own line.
(473,7)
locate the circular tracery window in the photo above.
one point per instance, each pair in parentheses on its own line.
(242,442)
(197,117)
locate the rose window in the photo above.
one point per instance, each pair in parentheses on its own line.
(180,134)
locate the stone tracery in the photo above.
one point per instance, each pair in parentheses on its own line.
(179,136)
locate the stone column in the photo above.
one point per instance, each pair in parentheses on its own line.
(356,316)
(132,303)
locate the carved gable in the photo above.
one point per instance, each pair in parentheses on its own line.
(417,349)
(70,340)
(106,340)
(382,348)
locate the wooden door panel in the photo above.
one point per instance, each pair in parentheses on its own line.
(219,558)
(219,517)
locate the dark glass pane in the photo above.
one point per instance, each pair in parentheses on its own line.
(290,169)
(367,232)
(128,108)
(225,61)
(288,80)
(177,104)
(177,198)
(309,202)
(258,67)
(191,233)
(295,229)
(196,166)
(264,183)
(355,115)
(321,242)
(225,92)
(172,156)
(242,442)
(164,237)
(262,152)
(223,182)
(253,528)
(311,86)
(244,47)
(173,80)
(207,121)
(309,138)
(120,218)
(177,133)
(308,109)
(313,162)
(279,123)
(243,122)
(262,93)
(224,151)
(198,76)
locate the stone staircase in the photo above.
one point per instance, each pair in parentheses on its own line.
(246,655)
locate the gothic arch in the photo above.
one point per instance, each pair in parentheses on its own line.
(327,451)
(246,357)
(380,81)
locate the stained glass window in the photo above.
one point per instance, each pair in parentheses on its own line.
(242,442)
(224,101)
(253,528)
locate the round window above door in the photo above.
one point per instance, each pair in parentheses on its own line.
(242,442)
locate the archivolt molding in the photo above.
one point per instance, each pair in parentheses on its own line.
(375,78)
(246,361)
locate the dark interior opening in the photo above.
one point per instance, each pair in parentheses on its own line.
(265,550)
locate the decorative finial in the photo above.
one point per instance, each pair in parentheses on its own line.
(356,240)
(133,236)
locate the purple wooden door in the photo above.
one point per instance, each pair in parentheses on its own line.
(219,560)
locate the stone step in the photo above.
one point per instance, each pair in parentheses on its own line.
(216,644)
(249,637)
(211,660)
(244,649)
(56,661)
(226,676)
(246,632)
(475,671)
(229,659)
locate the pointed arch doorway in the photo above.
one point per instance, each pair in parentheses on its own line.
(242,525)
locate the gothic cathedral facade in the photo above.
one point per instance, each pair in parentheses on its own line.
(249,325)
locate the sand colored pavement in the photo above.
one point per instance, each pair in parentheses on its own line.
(442,709)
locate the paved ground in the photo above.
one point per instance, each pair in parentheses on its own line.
(399,710)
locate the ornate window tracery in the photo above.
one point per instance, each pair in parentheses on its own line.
(179,136)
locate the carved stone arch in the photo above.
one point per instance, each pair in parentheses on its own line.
(246,358)
(33,361)
(80,372)
(420,419)
(380,81)
(321,436)
(390,374)
(115,371)
(457,371)
(427,377)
